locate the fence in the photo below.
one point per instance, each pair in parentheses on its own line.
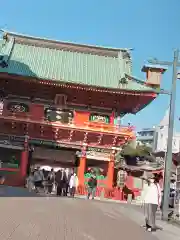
(113,193)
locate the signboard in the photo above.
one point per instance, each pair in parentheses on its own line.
(177,200)
(9,141)
(56,115)
(97,154)
(100,150)
(12,138)
(99,118)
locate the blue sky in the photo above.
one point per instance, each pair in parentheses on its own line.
(150,27)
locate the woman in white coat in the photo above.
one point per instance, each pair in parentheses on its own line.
(152,201)
(73,184)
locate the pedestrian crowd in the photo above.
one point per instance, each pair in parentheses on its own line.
(64,182)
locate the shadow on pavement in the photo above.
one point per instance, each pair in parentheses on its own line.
(7,191)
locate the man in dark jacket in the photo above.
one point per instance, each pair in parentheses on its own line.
(59,182)
(92,184)
(51,180)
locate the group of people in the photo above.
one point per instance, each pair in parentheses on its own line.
(62,182)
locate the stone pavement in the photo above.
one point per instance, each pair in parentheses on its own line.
(135,214)
(51,218)
(64,218)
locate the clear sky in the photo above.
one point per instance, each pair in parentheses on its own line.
(150,27)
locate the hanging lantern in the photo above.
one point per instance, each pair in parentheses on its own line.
(56,133)
(25,128)
(114,141)
(71,135)
(13,125)
(41,130)
(85,137)
(83,152)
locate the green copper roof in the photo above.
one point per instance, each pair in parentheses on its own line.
(71,63)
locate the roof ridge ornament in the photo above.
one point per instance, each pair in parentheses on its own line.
(5,36)
(123,80)
(6,51)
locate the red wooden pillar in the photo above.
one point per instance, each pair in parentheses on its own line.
(81,170)
(112,117)
(24,159)
(110,173)
(130,182)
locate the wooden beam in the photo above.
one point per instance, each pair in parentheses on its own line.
(89,91)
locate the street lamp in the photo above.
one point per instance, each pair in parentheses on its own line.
(168,161)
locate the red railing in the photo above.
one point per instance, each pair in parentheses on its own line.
(87,126)
(108,193)
(113,193)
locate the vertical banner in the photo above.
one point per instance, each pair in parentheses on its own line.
(1,107)
(177,200)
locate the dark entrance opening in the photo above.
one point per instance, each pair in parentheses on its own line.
(51,156)
(10,158)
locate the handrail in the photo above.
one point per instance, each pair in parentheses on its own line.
(109,126)
(89,126)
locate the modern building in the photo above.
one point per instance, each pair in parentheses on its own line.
(146,136)
(161,136)
(157,137)
(62,99)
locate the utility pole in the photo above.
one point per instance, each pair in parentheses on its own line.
(168,160)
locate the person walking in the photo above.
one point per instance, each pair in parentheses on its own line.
(64,181)
(51,180)
(30,182)
(38,179)
(58,183)
(73,184)
(152,200)
(92,184)
(68,177)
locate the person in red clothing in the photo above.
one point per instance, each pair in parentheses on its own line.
(2,180)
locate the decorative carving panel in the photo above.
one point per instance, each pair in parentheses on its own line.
(17,107)
(55,156)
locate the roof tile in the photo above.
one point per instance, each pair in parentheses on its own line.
(69,66)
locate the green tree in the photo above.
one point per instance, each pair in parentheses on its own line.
(139,151)
(129,152)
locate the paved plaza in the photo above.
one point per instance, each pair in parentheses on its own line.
(46,218)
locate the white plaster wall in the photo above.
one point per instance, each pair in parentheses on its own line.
(162,137)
